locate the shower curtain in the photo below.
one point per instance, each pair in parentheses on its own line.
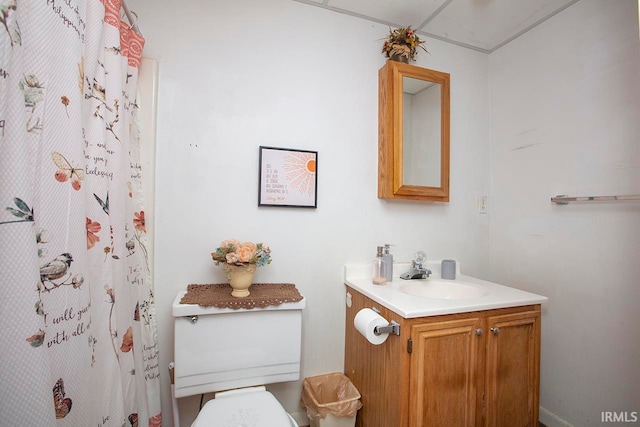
(79,344)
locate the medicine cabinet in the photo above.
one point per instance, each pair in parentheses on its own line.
(413,133)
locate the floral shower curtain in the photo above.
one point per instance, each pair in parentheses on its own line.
(79,345)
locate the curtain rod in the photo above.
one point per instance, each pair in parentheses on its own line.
(564,199)
(130,17)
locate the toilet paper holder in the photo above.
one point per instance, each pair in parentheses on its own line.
(392,328)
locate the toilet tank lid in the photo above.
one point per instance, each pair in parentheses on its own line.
(252,407)
(180,310)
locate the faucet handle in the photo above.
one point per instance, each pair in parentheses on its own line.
(420,258)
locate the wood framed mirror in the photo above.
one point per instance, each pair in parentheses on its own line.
(413,133)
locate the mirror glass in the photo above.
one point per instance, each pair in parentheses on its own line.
(421,132)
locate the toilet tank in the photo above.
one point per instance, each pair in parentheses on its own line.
(222,348)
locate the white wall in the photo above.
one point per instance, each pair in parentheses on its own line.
(565,103)
(235,75)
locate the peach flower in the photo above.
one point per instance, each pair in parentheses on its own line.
(246,251)
(127,341)
(93,228)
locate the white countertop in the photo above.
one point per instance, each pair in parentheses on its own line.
(358,277)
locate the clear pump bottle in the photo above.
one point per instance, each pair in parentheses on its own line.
(379,269)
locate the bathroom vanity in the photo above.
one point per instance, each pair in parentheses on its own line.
(470,358)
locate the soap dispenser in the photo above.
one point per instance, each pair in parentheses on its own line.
(388,261)
(379,269)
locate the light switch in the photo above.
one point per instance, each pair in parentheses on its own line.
(482,203)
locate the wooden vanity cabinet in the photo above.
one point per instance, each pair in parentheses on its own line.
(468,369)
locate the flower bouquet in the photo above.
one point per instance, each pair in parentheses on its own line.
(402,44)
(240,260)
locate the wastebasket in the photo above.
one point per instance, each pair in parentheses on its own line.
(331,400)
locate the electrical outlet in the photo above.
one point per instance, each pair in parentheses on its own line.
(482,203)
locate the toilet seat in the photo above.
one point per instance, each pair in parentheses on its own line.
(250,407)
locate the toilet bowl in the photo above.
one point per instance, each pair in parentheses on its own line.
(247,407)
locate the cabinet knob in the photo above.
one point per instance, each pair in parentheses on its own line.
(479,332)
(495,331)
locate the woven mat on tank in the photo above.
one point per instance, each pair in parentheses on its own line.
(262,295)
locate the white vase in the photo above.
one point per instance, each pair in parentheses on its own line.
(240,278)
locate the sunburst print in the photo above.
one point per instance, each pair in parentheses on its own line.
(301,171)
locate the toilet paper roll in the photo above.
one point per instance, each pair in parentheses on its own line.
(366,321)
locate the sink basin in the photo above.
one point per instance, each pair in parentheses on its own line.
(443,289)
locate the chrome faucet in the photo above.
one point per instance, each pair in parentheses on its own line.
(418,270)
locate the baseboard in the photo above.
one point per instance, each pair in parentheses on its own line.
(550,419)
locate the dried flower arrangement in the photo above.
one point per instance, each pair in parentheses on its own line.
(402,43)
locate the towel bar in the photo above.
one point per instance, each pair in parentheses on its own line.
(564,199)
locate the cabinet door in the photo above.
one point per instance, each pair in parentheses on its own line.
(444,373)
(512,371)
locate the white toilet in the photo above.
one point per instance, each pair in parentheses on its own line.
(231,352)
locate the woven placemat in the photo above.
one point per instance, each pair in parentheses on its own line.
(262,295)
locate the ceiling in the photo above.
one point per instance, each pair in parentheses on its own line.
(482,25)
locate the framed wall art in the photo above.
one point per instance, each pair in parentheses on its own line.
(288,177)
